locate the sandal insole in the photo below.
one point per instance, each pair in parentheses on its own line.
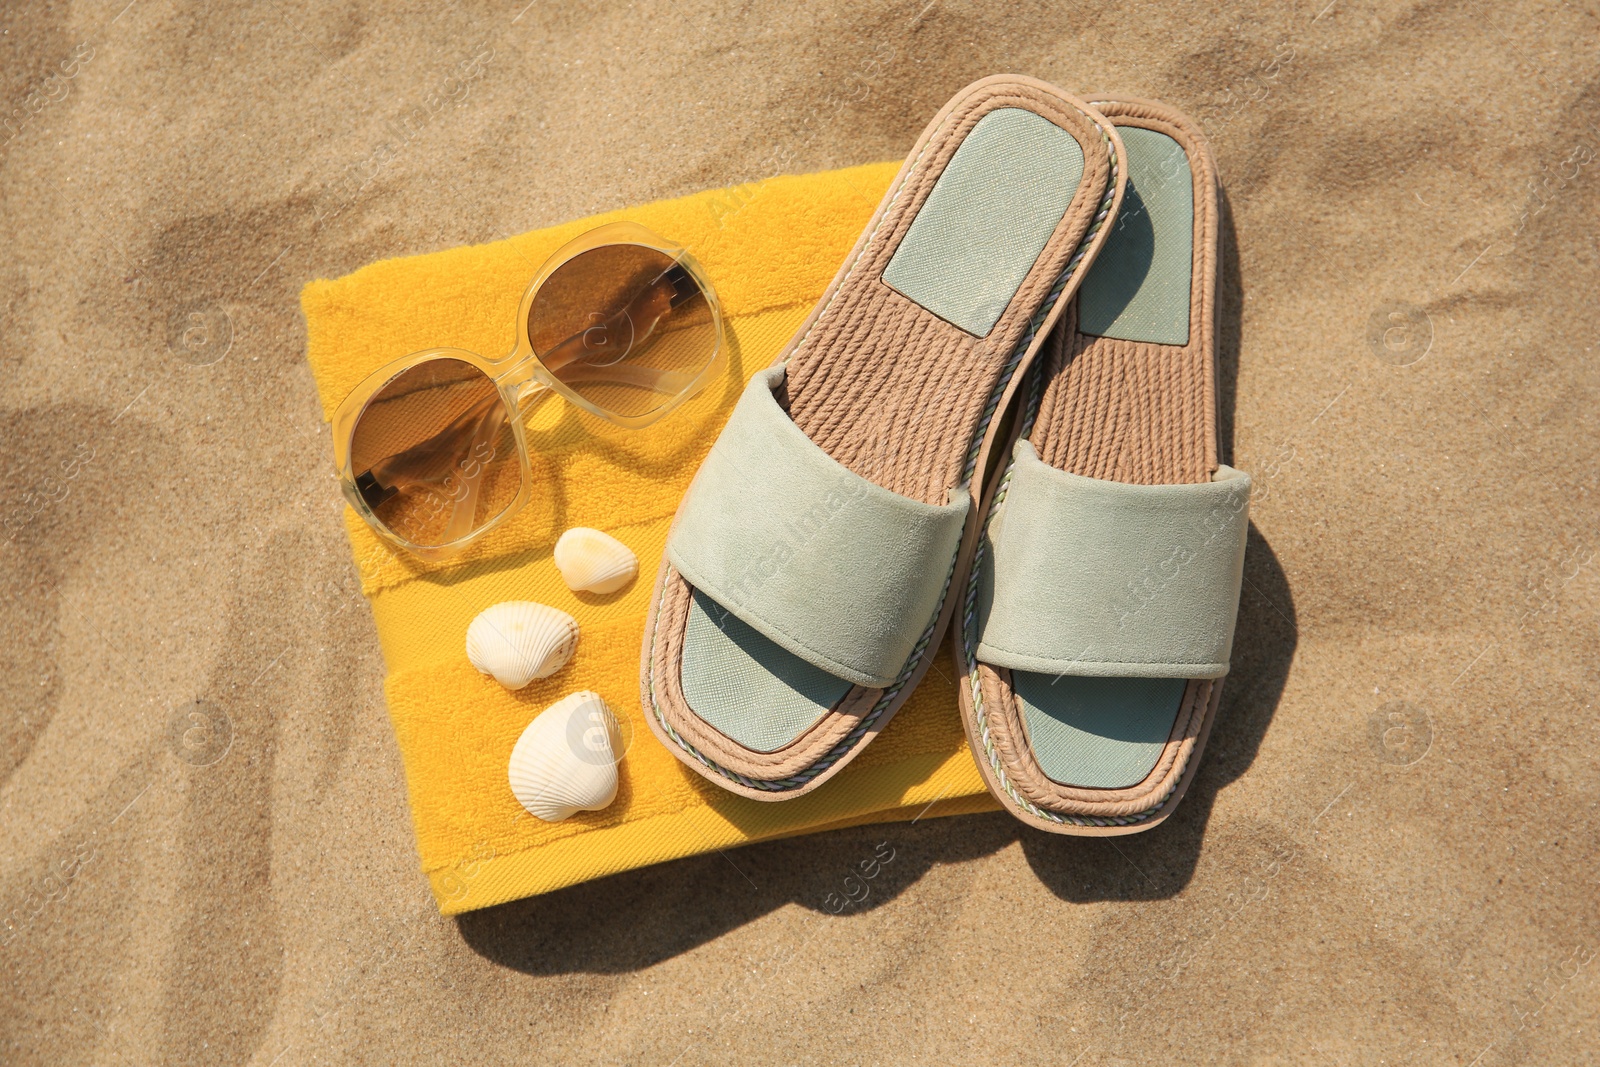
(1097,733)
(987,219)
(1138,288)
(758,693)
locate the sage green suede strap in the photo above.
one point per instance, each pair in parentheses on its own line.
(838,570)
(1106,579)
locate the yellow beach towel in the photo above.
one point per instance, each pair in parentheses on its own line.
(770,248)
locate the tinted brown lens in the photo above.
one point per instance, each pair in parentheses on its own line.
(434,454)
(625,327)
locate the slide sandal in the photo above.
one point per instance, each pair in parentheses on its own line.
(805,580)
(1097,622)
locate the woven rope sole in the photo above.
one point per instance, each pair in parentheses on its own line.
(905,400)
(1116,410)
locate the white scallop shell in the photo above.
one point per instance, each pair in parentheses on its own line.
(519,640)
(594,562)
(566,760)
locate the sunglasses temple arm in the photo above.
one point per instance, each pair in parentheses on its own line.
(670,289)
(666,382)
(466,505)
(417,465)
(530,393)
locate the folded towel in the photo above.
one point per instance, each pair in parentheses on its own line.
(770,248)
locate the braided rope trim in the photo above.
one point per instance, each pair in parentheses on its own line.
(969,655)
(853,738)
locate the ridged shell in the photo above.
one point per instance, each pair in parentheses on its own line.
(566,760)
(593,561)
(519,640)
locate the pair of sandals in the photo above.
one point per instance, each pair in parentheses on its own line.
(1039,255)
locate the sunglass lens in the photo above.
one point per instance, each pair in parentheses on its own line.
(624,326)
(434,454)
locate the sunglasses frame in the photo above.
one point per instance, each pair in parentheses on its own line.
(520,376)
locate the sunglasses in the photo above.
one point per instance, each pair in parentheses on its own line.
(431,449)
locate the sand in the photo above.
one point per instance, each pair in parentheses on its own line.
(1389,855)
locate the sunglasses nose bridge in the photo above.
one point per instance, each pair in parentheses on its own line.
(518,370)
(523,378)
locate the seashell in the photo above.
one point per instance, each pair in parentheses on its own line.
(519,640)
(566,760)
(595,562)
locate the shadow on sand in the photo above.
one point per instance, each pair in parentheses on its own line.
(638,918)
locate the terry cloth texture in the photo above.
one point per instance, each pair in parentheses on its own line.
(770,248)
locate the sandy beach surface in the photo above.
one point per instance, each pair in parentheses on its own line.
(1390,853)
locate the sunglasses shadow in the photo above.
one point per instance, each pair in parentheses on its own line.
(657,453)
